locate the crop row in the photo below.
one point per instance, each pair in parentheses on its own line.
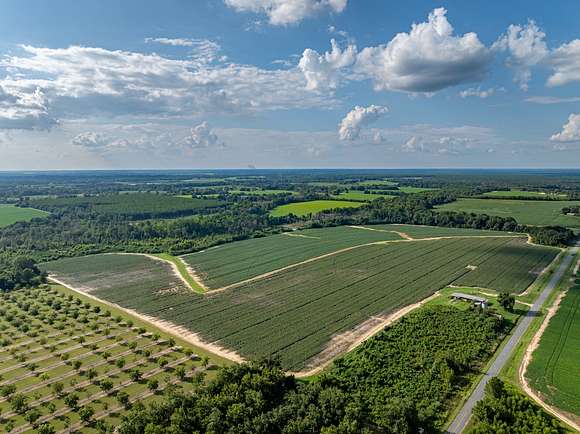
(234,262)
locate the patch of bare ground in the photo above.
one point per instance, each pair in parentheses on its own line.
(290,234)
(349,340)
(572,420)
(166,326)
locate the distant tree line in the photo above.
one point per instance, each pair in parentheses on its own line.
(419,209)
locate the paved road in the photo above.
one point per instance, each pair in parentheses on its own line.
(460,421)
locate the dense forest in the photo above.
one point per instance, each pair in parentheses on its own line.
(19,272)
(505,410)
(403,380)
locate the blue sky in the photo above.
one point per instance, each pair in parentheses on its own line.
(237,83)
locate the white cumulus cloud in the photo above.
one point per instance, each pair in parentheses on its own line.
(350,126)
(570,131)
(24,109)
(526,47)
(565,62)
(427,59)
(322,71)
(85,80)
(202,137)
(285,12)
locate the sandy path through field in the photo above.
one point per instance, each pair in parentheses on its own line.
(399,233)
(174,268)
(166,326)
(528,358)
(290,234)
(357,336)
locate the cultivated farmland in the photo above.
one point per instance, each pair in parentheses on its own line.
(555,369)
(70,364)
(10,214)
(234,262)
(529,212)
(522,193)
(296,312)
(311,207)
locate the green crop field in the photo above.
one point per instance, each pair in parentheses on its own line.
(10,214)
(521,193)
(530,212)
(311,207)
(130,270)
(555,367)
(295,312)
(359,195)
(136,205)
(378,182)
(234,262)
(415,189)
(75,365)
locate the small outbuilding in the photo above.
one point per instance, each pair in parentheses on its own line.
(477,301)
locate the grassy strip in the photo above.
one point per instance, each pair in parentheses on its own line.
(182,268)
(510,372)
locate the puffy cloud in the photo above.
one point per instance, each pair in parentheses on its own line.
(526,48)
(322,71)
(202,137)
(91,140)
(477,92)
(565,61)
(427,59)
(358,117)
(24,110)
(438,145)
(570,131)
(285,12)
(85,80)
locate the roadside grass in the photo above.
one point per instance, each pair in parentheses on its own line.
(511,369)
(182,268)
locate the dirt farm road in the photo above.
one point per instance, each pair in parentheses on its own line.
(462,418)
